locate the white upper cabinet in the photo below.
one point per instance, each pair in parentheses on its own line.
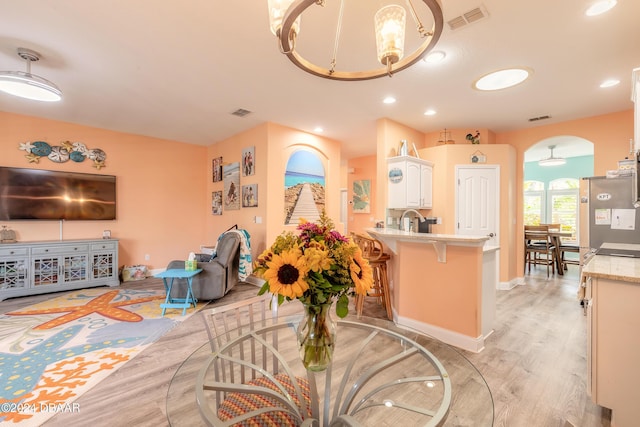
(409,183)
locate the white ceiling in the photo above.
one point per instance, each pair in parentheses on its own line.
(177,69)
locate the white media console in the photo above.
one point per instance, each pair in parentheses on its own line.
(29,268)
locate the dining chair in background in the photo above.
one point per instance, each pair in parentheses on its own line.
(373,251)
(539,249)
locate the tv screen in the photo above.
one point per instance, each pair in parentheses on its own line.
(43,194)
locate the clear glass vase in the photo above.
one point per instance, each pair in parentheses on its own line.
(316,337)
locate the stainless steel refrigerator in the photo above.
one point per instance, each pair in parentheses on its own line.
(613,220)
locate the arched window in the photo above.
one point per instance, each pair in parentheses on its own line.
(534,202)
(563,199)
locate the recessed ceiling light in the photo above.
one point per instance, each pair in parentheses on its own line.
(609,83)
(600,7)
(430,112)
(502,79)
(389,100)
(435,57)
(318,129)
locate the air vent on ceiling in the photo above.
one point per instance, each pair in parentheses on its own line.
(535,119)
(241,112)
(469,17)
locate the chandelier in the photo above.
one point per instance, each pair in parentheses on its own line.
(389,25)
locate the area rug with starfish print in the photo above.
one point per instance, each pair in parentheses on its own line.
(52,352)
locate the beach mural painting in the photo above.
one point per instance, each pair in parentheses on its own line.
(231,178)
(304,187)
(361,194)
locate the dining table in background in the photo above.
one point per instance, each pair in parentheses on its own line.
(555,237)
(390,375)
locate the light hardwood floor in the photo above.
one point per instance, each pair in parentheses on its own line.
(534,363)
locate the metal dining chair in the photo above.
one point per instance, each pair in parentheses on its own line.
(252,396)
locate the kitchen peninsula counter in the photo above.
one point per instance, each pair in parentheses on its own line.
(442,284)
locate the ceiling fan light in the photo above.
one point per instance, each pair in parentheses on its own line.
(390,24)
(551,160)
(30,86)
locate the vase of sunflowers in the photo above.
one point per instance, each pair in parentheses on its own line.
(317,266)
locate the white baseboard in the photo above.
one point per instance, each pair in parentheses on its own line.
(456,339)
(507,286)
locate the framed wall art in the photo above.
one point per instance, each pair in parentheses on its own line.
(250,196)
(216,203)
(217,169)
(248,161)
(361,196)
(231,178)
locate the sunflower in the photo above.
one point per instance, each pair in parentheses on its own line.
(361,273)
(287,274)
(318,260)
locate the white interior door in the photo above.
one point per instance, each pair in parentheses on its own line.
(478,201)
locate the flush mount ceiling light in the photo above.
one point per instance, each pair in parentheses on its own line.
(502,79)
(27,85)
(552,161)
(600,7)
(609,83)
(389,25)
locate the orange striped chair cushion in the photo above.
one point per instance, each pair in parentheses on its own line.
(240,403)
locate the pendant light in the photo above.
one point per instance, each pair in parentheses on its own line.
(552,161)
(27,85)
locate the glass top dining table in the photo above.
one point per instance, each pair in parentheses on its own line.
(380,375)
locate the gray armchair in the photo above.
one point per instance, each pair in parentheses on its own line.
(218,275)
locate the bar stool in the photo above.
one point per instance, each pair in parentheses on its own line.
(373,252)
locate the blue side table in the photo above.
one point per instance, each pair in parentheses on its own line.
(182,303)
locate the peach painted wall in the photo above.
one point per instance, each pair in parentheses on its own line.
(160,184)
(445,158)
(231,151)
(609,133)
(282,142)
(389,135)
(447,295)
(273,145)
(363,168)
(459,136)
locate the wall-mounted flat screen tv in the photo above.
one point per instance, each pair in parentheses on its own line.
(54,195)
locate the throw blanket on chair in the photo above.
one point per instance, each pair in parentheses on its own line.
(246,267)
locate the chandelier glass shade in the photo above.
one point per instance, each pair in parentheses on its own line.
(390,22)
(27,85)
(389,25)
(551,160)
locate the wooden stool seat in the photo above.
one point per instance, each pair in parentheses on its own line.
(373,252)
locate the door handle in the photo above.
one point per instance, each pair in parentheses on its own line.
(490,234)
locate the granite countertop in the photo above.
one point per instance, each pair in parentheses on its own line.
(613,268)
